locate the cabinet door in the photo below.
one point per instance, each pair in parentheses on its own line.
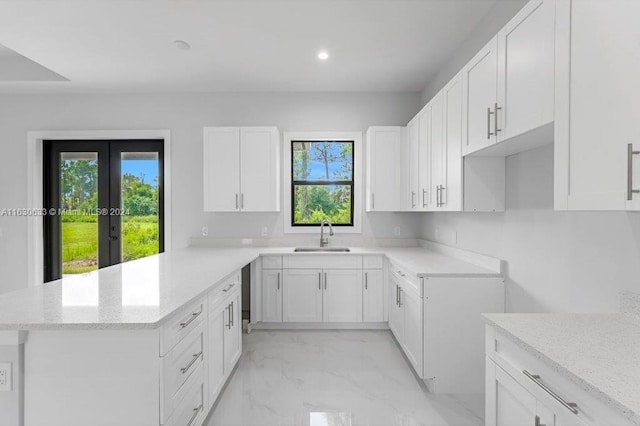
(507,402)
(480,82)
(410,163)
(373,296)
(218,320)
(342,298)
(260,169)
(233,333)
(302,295)
(438,151)
(526,47)
(396,313)
(413,326)
(271,296)
(221,170)
(592,153)
(383,166)
(451,193)
(424,160)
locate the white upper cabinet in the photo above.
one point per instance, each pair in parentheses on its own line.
(383,158)
(480,85)
(259,169)
(451,184)
(423,160)
(597,130)
(438,176)
(241,169)
(221,169)
(526,70)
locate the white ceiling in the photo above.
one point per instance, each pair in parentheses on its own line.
(236,45)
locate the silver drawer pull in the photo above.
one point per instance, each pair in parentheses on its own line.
(196,411)
(195,358)
(630,154)
(228,287)
(193,317)
(571,406)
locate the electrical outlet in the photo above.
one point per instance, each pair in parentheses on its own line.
(205,231)
(5,376)
(396,231)
(265,231)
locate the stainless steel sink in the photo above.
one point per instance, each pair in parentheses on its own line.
(321,249)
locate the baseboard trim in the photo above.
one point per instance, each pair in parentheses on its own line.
(318,326)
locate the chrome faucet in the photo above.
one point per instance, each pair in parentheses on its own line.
(325,241)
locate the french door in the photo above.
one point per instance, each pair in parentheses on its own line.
(105,204)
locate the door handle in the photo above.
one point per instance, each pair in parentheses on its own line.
(495,120)
(325,280)
(242,200)
(236,201)
(278,280)
(319,280)
(366,281)
(489,113)
(630,154)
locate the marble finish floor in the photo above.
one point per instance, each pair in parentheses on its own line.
(333,378)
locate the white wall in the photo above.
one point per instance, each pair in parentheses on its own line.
(184,115)
(555,261)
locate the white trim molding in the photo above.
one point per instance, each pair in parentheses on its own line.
(35,190)
(358,187)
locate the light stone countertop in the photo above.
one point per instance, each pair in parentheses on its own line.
(598,352)
(141,294)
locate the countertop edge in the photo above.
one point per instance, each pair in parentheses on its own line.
(577,380)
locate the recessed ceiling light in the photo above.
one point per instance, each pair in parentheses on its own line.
(323,55)
(181,44)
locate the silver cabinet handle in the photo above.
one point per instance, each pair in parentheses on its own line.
(630,154)
(442,199)
(571,406)
(424,198)
(228,309)
(319,280)
(196,411)
(188,366)
(278,280)
(325,280)
(399,296)
(236,201)
(489,113)
(231,321)
(242,200)
(413,198)
(229,287)
(366,280)
(495,118)
(193,317)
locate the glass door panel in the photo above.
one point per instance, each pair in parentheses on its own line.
(139,193)
(78,214)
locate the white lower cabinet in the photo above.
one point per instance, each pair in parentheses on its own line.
(373,295)
(342,296)
(318,295)
(232,333)
(405,319)
(271,295)
(523,390)
(302,295)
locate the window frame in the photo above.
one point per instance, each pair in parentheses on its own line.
(349,183)
(357,195)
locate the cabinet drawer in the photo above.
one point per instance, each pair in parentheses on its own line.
(271,262)
(324,261)
(191,409)
(516,361)
(223,290)
(372,262)
(181,323)
(407,280)
(178,366)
